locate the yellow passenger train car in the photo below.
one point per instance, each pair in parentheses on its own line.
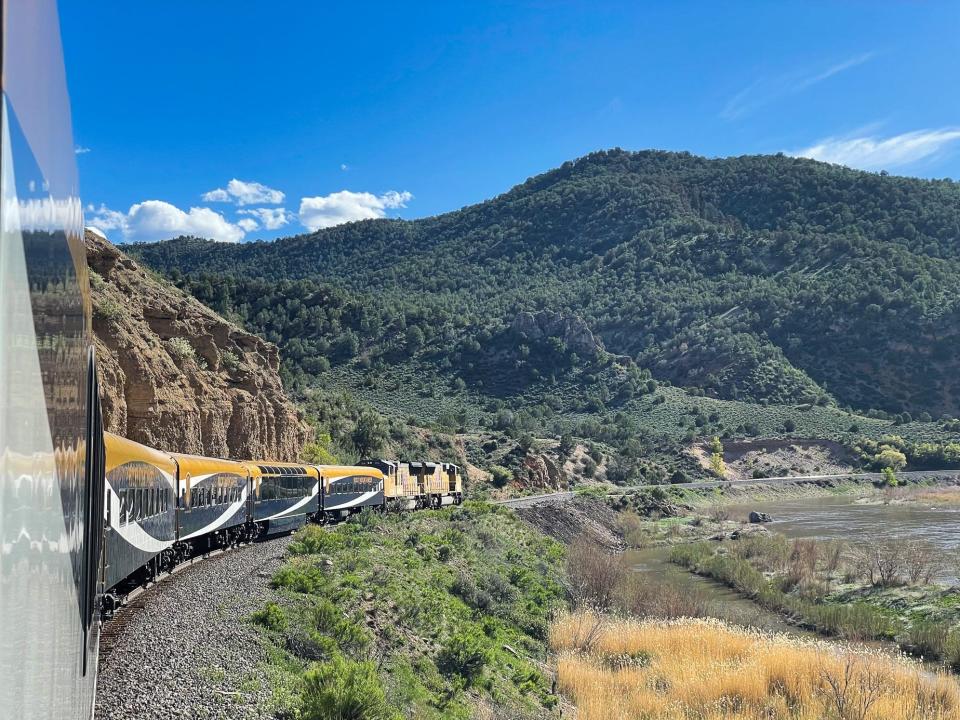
(212,501)
(347,489)
(285,495)
(139,511)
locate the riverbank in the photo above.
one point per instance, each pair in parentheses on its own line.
(685,498)
(881,592)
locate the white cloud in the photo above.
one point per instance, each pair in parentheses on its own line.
(218,195)
(81,150)
(875,153)
(248,224)
(270,218)
(344,167)
(766,90)
(245,193)
(153,220)
(345,206)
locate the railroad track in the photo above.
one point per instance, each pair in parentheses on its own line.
(112,626)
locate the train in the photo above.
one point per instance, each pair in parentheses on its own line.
(161,509)
(85,516)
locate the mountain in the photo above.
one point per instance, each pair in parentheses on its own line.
(176,376)
(765,279)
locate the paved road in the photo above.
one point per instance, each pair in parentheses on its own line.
(530,500)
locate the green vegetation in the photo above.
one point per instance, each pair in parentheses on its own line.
(709,272)
(892,451)
(851,592)
(181,348)
(780,292)
(415,615)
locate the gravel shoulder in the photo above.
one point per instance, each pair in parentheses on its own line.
(190,652)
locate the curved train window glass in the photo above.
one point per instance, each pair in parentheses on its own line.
(353,484)
(281,483)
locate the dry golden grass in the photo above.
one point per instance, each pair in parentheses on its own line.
(615,669)
(934,496)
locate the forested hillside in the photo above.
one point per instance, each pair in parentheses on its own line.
(763,278)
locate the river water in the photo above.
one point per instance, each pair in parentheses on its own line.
(866,521)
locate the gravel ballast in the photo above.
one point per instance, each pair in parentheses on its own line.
(190,652)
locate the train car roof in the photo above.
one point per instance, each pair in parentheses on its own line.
(199,465)
(121,451)
(332,471)
(259,468)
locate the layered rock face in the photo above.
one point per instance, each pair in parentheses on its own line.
(177,376)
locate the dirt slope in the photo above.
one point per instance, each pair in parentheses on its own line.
(177,376)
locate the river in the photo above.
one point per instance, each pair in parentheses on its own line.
(834,518)
(854,520)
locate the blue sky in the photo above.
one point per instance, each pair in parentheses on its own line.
(247,120)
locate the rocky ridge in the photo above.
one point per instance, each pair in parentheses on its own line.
(176,376)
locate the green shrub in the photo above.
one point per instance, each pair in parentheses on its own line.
(465,653)
(934,639)
(108,308)
(501,475)
(344,690)
(230,360)
(181,348)
(313,540)
(856,621)
(271,617)
(328,619)
(301,579)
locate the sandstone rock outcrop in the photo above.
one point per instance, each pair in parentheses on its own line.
(539,471)
(177,376)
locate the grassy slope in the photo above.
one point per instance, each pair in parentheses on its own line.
(450,608)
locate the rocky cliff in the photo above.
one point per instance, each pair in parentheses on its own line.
(177,376)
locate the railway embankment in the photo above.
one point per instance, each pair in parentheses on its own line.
(188,651)
(568,518)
